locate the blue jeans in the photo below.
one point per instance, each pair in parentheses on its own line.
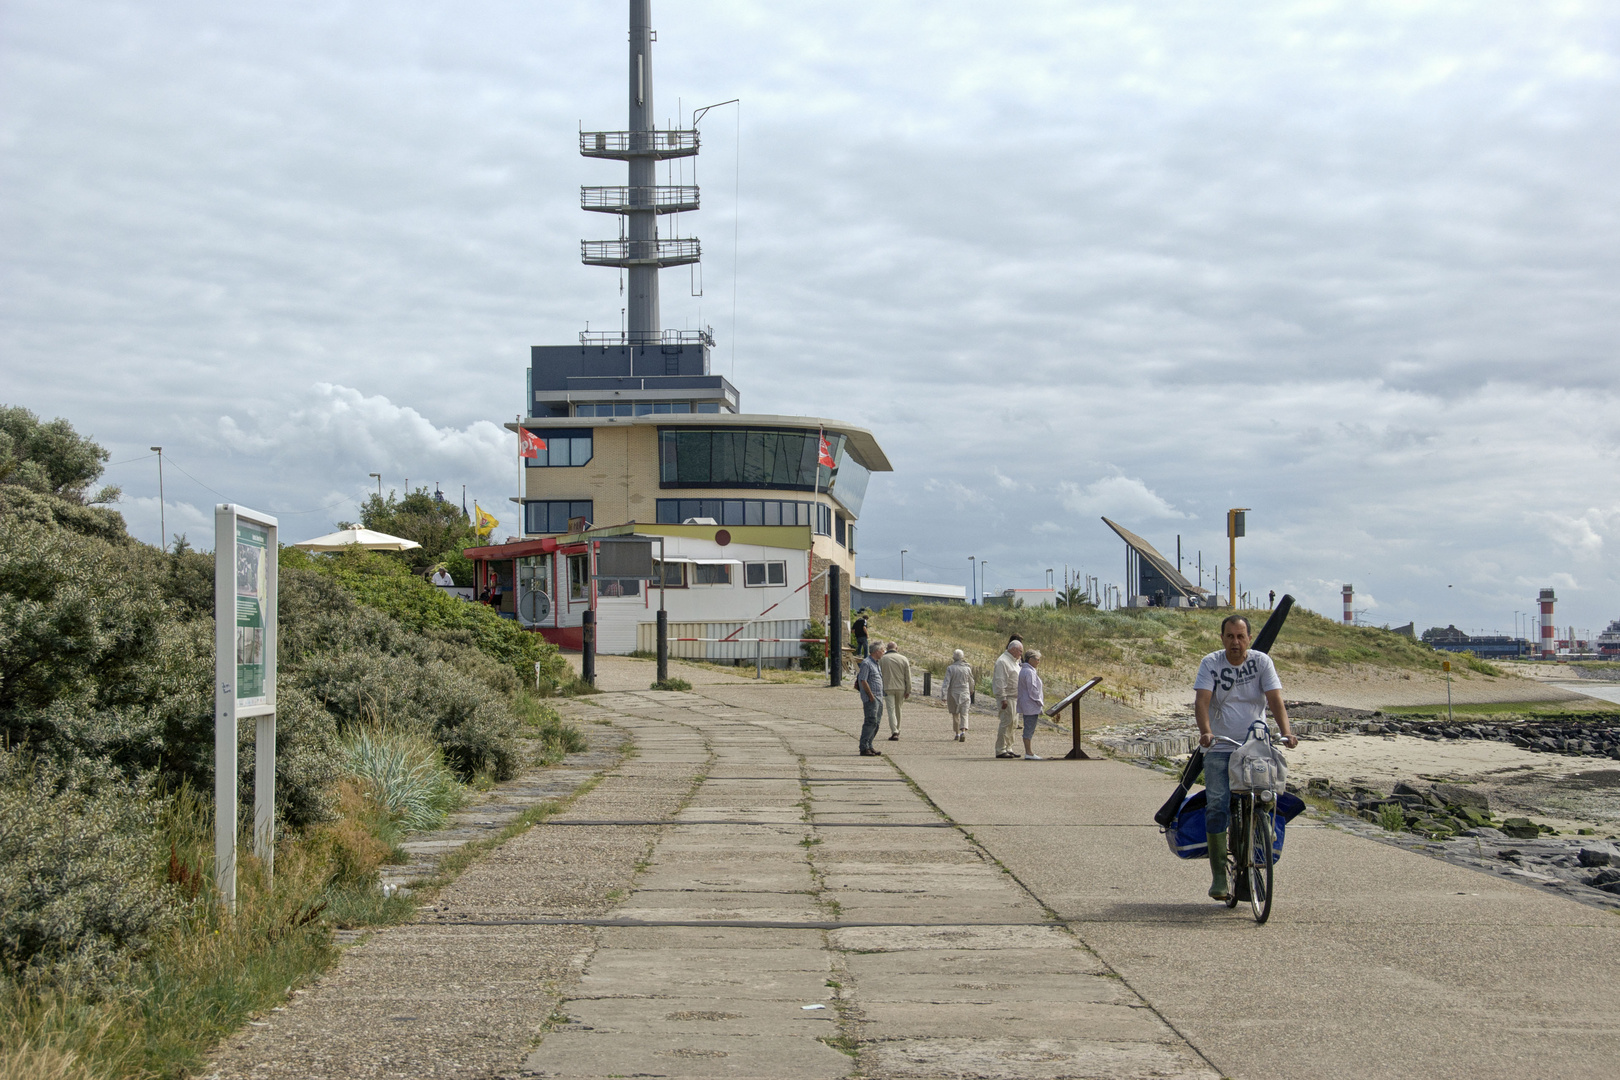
(1218,791)
(872,713)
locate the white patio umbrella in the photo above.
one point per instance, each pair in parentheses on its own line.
(365,539)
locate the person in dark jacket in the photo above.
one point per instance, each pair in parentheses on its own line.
(869,684)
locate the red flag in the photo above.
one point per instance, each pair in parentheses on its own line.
(826,460)
(529,444)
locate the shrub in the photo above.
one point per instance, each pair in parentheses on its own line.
(671,684)
(389,586)
(542,722)
(363,688)
(402,776)
(1391,817)
(815,652)
(78,888)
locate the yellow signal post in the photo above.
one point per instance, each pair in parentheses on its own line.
(1235,522)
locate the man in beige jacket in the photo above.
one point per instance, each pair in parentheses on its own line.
(896,672)
(1004,686)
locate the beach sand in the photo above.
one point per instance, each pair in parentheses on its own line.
(1566,792)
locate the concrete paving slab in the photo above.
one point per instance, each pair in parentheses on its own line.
(701,1016)
(1043,1058)
(708,937)
(997,1017)
(950,964)
(660,1054)
(1003,989)
(774,985)
(887,939)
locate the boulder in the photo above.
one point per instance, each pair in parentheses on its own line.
(1521,832)
(1604,877)
(1460,795)
(1403,788)
(1593,857)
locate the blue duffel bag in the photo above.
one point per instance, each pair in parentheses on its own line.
(1188,840)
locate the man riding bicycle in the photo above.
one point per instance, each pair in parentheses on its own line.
(1240,685)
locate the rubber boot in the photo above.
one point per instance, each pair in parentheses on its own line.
(1218,887)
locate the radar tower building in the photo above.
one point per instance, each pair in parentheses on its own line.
(632,425)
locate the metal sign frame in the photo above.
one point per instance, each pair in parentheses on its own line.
(246,572)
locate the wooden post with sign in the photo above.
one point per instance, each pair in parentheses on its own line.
(245,588)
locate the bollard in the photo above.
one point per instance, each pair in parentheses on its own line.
(835,629)
(587,659)
(928,682)
(663,645)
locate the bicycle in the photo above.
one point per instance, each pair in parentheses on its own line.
(1251,856)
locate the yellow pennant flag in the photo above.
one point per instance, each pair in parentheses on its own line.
(486,522)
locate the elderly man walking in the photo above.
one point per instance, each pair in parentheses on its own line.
(958,691)
(896,671)
(869,684)
(1004,685)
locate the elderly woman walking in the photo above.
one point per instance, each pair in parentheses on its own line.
(1031,699)
(958,691)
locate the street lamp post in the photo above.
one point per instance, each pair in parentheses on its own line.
(163,523)
(377,477)
(903,563)
(973,578)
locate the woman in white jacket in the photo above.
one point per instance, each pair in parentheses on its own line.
(958,691)
(1031,700)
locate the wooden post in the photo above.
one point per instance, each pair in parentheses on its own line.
(1073,704)
(1076,754)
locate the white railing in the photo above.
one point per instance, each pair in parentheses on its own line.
(777,639)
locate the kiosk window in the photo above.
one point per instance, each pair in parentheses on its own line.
(758,574)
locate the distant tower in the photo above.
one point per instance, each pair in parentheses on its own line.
(1548,650)
(1349,595)
(638,250)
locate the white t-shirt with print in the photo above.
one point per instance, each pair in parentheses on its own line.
(1239,692)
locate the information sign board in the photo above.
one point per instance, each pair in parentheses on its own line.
(245,561)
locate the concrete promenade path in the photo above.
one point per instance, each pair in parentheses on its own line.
(746,897)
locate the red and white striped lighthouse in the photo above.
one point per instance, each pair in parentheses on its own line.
(1548,649)
(1349,595)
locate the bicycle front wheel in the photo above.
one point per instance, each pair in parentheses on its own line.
(1234,854)
(1258,853)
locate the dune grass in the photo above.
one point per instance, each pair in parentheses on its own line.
(1138,650)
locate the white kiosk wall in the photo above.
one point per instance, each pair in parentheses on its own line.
(245,564)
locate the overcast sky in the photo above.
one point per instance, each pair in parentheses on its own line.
(1354,266)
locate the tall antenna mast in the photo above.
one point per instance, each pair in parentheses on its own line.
(642,201)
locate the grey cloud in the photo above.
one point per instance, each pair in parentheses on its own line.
(1351,266)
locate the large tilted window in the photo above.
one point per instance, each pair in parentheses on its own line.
(735,511)
(743,458)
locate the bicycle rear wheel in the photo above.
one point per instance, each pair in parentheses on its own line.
(1258,854)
